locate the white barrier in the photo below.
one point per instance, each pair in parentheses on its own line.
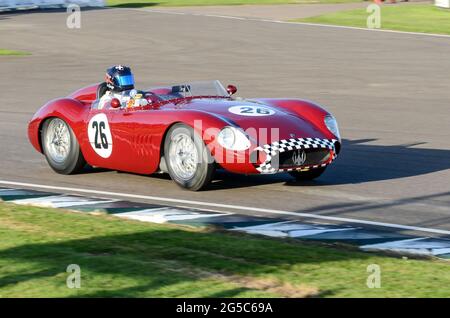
(24,4)
(442,3)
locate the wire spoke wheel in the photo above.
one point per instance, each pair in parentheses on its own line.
(188,160)
(61,147)
(183,156)
(57,140)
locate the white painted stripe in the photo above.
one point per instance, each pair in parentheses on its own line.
(288,22)
(292,234)
(164,215)
(424,246)
(6,190)
(364,29)
(228,206)
(60,201)
(143,211)
(289,229)
(301,233)
(220,16)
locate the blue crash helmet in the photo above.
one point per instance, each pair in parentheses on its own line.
(119,78)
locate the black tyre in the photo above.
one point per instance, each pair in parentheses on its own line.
(188,160)
(307,175)
(61,148)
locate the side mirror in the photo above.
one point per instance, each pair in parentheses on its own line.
(231,89)
(115,103)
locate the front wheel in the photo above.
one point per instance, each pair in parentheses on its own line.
(188,160)
(61,148)
(307,175)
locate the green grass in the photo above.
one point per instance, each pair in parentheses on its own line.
(424,18)
(128,258)
(12,52)
(151,3)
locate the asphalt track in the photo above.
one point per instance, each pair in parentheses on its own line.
(389,91)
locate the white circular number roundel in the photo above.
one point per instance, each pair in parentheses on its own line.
(250,110)
(100,135)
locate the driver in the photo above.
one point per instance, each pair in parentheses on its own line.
(120,84)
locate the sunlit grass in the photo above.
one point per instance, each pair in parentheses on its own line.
(127,258)
(12,52)
(424,18)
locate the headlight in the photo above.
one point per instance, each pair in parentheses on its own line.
(332,125)
(233,139)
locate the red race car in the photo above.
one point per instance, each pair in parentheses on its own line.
(186,130)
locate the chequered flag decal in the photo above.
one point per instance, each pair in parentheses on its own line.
(292,144)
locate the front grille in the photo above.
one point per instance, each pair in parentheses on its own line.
(312,157)
(289,154)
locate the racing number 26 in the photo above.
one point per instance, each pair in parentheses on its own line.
(252,110)
(99,134)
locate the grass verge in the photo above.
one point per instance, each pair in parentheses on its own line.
(134,259)
(425,18)
(12,52)
(176,3)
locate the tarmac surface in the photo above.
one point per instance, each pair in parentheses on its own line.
(272,12)
(389,91)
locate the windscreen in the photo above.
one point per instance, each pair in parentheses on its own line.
(205,88)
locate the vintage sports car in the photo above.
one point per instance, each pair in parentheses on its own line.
(188,131)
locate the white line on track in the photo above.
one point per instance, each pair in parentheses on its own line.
(226,206)
(287,22)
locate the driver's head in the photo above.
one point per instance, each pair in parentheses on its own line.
(119,78)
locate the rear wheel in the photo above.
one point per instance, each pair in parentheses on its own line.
(188,160)
(307,175)
(61,148)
